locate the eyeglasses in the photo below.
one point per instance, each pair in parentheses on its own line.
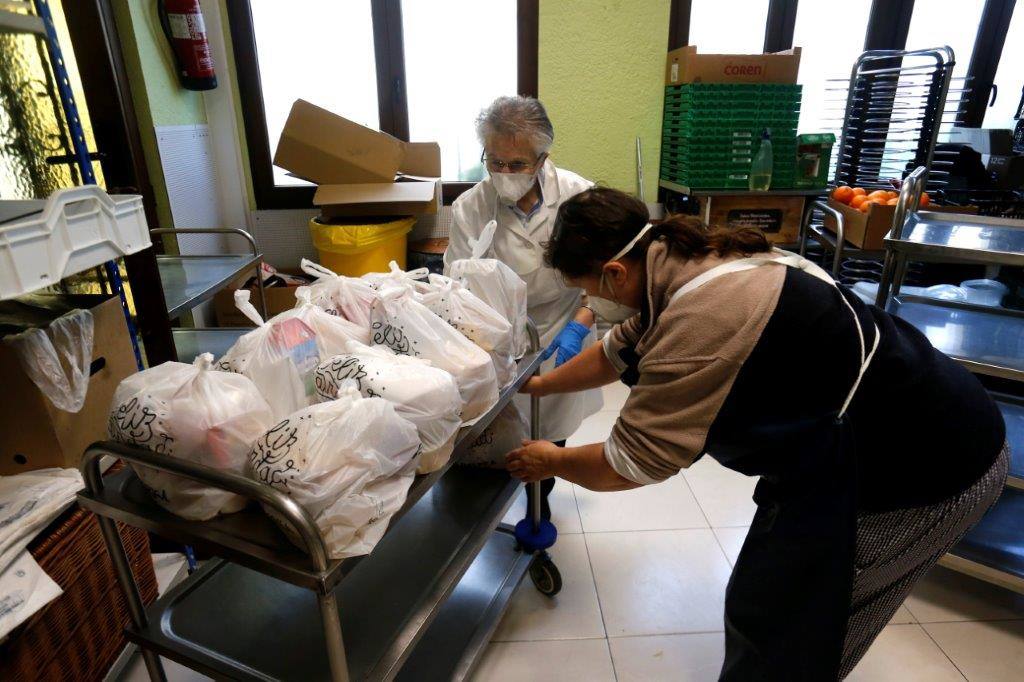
(502,166)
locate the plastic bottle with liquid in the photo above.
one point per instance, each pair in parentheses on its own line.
(761,166)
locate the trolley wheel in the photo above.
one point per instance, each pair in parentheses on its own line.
(545,576)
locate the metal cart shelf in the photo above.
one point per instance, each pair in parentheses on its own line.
(440,578)
(189,342)
(683,189)
(993,550)
(1012,408)
(190,280)
(987,340)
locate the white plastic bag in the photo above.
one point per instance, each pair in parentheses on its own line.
(348,462)
(281,354)
(396,276)
(193,413)
(407,327)
(477,321)
(425,395)
(347,297)
(503,435)
(497,285)
(57,359)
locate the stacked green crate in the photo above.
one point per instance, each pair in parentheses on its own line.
(710,133)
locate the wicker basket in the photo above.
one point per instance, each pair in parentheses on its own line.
(79,635)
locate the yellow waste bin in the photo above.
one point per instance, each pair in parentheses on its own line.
(355,249)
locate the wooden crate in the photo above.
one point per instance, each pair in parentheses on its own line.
(777,216)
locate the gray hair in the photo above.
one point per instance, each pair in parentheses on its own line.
(517,117)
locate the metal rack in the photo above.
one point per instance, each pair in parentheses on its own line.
(422,605)
(190,280)
(986,340)
(893,109)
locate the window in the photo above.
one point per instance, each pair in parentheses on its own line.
(828,55)
(728,26)
(1009,77)
(328,62)
(450,78)
(418,70)
(939,22)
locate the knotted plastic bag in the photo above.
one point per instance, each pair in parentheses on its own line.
(503,435)
(193,413)
(347,297)
(477,321)
(348,462)
(497,285)
(407,327)
(57,358)
(425,395)
(281,354)
(397,277)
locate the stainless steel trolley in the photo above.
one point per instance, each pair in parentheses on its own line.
(893,107)
(987,340)
(423,605)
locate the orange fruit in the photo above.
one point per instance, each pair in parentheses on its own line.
(925,200)
(893,195)
(892,202)
(859,191)
(858,200)
(879,194)
(865,205)
(842,194)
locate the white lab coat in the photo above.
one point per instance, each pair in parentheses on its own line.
(551,304)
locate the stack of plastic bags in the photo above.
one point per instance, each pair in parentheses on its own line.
(281,354)
(496,284)
(348,462)
(193,413)
(408,327)
(477,321)
(425,395)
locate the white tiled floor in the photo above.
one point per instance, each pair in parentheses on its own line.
(644,576)
(659,559)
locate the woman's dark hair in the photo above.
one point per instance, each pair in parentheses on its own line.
(597,223)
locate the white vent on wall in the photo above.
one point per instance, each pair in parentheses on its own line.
(191,177)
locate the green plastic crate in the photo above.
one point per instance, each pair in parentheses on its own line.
(731,88)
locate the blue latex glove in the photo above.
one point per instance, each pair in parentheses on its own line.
(568,343)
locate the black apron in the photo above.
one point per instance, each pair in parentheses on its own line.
(788,599)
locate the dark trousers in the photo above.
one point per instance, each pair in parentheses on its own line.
(546,487)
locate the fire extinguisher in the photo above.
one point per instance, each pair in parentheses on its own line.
(182,21)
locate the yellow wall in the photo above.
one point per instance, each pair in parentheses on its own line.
(601,79)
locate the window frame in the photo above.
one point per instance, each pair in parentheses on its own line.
(392,102)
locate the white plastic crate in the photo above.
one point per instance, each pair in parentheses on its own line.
(74,230)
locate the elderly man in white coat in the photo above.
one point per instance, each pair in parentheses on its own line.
(522,193)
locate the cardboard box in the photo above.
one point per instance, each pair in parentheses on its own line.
(777,216)
(358,170)
(35,434)
(279,299)
(868,230)
(684,65)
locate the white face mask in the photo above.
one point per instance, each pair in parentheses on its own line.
(612,310)
(512,186)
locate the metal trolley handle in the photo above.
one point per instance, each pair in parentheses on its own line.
(289,509)
(535,506)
